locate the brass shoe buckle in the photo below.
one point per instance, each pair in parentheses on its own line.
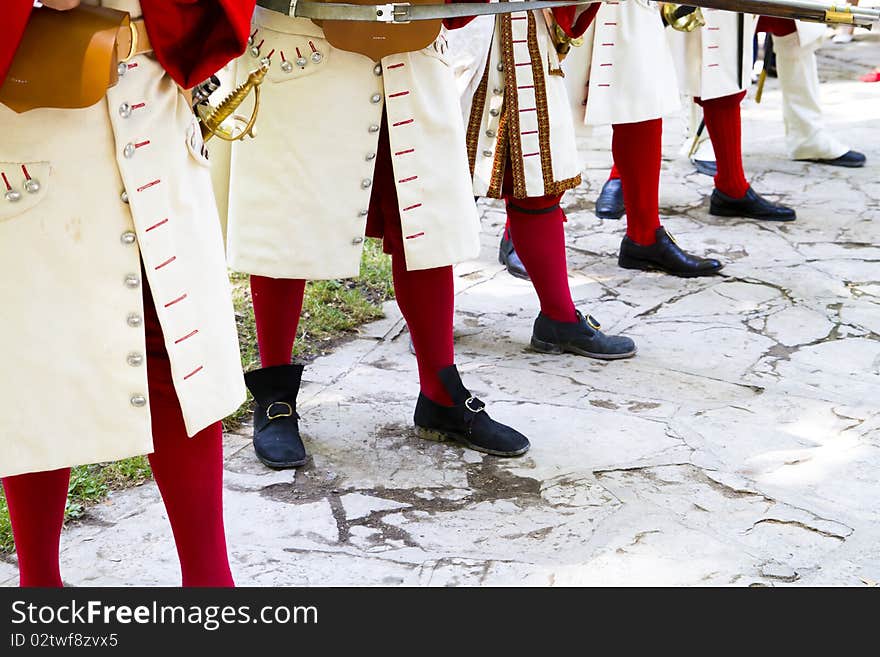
(274,416)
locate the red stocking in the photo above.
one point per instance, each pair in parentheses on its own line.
(277,306)
(188,471)
(536,226)
(636,151)
(615,174)
(36,507)
(723,121)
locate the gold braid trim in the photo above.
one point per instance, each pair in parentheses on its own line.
(476,118)
(511,109)
(499,166)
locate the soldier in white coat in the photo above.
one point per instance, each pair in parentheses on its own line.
(715,64)
(624,76)
(521,147)
(347,148)
(807,136)
(117,317)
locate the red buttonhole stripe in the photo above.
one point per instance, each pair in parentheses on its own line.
(399,94)
(138,106)
(410,179)
(530,154)
(526,86)
(529,132)
(148,185)
(27,175)
(604,85)
(195,371)
(406,152)
(156,225)
(177,300)
(412,237)
(606,64)
(6,181)
(167,262)
(412,207)
(271,52)
(400,123)
(142,143)
(529,109)
(400,65)
(186,337)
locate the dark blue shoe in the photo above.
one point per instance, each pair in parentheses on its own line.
(609,205)
(581,337)
(507,256)
(850,159)
(277,442)
(751,206)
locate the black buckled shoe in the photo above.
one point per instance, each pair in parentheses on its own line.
(850,159)
(467,422)
(276,423)
(582,337)
(609,205)
(751,206)
(665,255)
(507,256)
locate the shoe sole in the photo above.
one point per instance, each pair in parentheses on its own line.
(438,436)
(855,165)
(646,265)
(551,348)
(522,276)
(605,215)
(722,213)
(282,465)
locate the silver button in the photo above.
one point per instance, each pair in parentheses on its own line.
(286,66)
(500,66)
(370,157)
(135,359)
(32,186)
(317,57)
(487,153)
(375,98)
(497,91)
(121,69)
(128,151)
(128,237)
(132,281)
(125,110)
(301,62)
(490,133)
(357,240)
(494,111)
(366,182)
(363,213)
(134,320)
(377,69)
(12,196)
(255,51)
(374,128)
(123,196)
(138,401)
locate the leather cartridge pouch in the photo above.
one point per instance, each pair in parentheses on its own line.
(66,59)
(377,40)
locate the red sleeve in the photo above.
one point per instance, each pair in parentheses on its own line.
(15,17)
(575,20)
(194,39)
(455,23)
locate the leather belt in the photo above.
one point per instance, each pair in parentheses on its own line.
(133,41)
(403,12)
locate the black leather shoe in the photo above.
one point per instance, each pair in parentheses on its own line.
(665,255)
(507,256)
(706,167)
(752,206)
(582,337)
(276,423)
(609,205)
(850,159)
(467,422)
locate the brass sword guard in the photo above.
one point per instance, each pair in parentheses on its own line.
(212,118)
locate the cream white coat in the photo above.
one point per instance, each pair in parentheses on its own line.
(624,72)
(706,59)
(74,385)
(515,106)
(300,191)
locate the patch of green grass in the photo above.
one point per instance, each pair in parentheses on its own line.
(332,310)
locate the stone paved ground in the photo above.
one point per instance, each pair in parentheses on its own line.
(741,446)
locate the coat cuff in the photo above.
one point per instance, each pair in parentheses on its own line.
(574,21)
(15,17)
